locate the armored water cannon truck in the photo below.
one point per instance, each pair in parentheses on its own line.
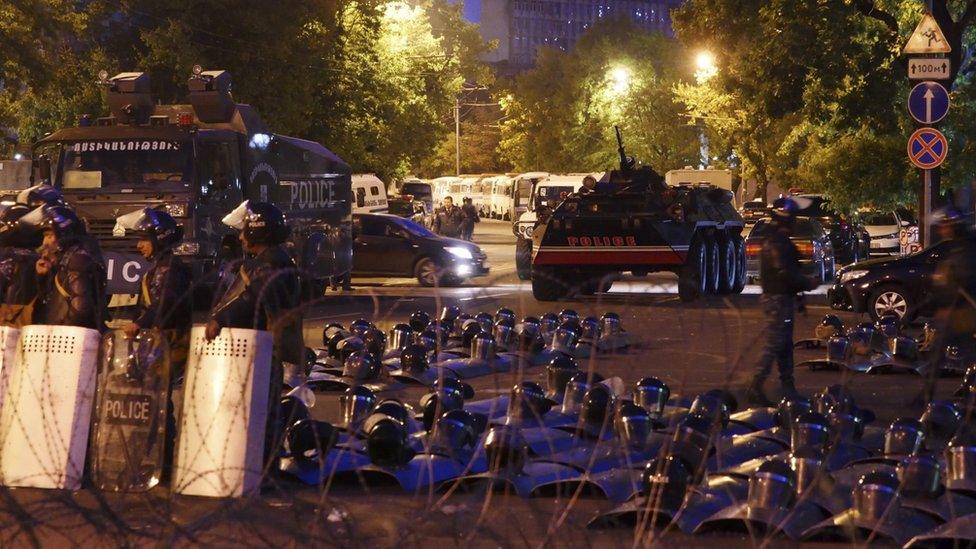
(197,162)
(638,223)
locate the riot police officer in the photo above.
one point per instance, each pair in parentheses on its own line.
(265,295)
(165,299)
(71,271)
(18,281)
(782,280)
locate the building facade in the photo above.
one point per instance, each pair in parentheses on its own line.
(521,27)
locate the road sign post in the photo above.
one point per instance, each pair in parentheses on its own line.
(928,103)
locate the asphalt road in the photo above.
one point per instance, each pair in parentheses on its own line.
(693,347)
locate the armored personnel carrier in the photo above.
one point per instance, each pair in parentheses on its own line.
(635,222)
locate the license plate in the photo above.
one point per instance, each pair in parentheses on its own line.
(128,409)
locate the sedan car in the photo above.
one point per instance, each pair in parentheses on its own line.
(888,285)
(387,245)
(810,239)
(850,240)
(754,211)
(885,227)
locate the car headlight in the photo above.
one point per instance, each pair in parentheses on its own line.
(459,252)
(852,275)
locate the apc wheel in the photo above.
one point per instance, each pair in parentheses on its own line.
(890,299)
(597,283)
(429,273)
(691,278)
(713,269)
(740,262)
(523,258)
(728,265)
(547,285)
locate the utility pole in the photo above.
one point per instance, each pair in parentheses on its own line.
(457,136)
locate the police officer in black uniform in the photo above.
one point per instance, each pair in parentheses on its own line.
(266,293)
(18,281)
(782,280)
(71,271)
(164,300)
(954,292)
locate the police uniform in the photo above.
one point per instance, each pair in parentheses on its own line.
(72,293)
(782,280)
(165,302)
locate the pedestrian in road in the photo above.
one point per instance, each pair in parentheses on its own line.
(782,280)
(165,298)
(18,279)
(470,216)
(71,271)
(265,295)
(954,294)
(448,219)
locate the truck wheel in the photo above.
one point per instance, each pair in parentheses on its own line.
(740,259)
(728,265)
(596,283)
(691,278)
(713,272)
(548,285)
(523,258)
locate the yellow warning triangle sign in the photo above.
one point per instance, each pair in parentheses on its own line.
(927,38)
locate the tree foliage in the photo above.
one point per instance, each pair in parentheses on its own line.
(374,80)
(560,115)
(812,93)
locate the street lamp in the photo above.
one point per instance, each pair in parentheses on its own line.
(705,67)
(620,78)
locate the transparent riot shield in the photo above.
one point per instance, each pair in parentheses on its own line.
(130,422)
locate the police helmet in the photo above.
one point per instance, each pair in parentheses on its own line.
(359,327)
(810,430)
(665,481)
(940,421)
(506,449)
(60,220)
(260,223)
(633,425)
(919,476)
(291,409)
(468,332)
(455,386)
(531,320)
(889,325)
(904,437)
(362,366)
(347,346)
(356,403)
(548,322)
(527,400)
(505,336)
(568,315)
(413,359)
(807,464)
(388,408)
(454,430)
(529,338)
(505,313)
(308,439)
(597,407)
(835,397)
(590,328)
(558,373)
(483,346)
(40,195)
(12,232)
(386,443)
(788,409)
(156,226)
(772,486)
(330,330)
(846,426)
(652,394)
(874,494)
(401,336)
(375,341)
(419,320)
(450,313)
(830,326)
(485,320)
(711,407)
(573,394)
(610,323)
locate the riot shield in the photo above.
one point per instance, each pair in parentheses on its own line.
(130,420)
(47,411)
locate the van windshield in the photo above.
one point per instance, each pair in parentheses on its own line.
(114,164)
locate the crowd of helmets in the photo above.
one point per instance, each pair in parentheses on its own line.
(808,468)
(879,347)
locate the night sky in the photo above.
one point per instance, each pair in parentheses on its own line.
(472,9)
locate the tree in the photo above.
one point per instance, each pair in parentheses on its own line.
(561,114)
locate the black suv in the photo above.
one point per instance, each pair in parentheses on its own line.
(888,285)
(387,245)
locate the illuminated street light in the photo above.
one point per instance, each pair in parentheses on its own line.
(705,67)
(620,78)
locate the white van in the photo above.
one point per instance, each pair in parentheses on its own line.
(501,203)
(522,186)
(369,194)
(441,187)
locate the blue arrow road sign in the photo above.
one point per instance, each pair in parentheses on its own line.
(928,103)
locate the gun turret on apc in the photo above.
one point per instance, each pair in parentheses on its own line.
(637,223)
